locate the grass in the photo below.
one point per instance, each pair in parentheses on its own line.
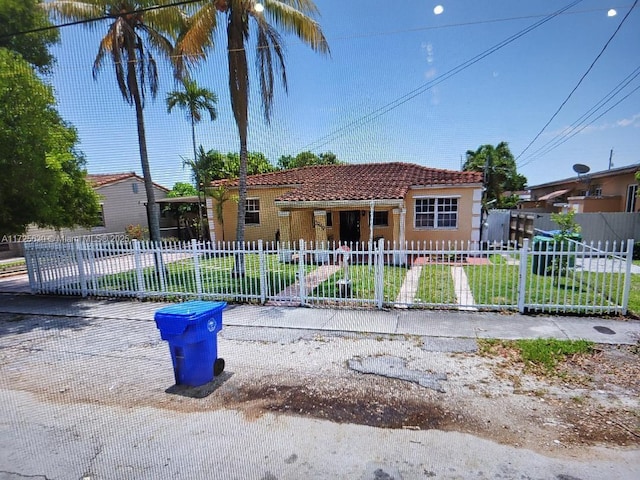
(216,274)
(12,265)
(541,355)
(363,283)
(435,285)
(634,295)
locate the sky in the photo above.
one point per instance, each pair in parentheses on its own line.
(401,84)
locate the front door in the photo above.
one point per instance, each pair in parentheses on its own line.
(350,226)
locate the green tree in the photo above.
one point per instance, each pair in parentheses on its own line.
(43,175)
(257,163)
(193,100)
(500,173)
(21,15)
(305,159)
(129,41)
(292,16)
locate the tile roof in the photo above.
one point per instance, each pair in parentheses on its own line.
(374,181)
(101,179)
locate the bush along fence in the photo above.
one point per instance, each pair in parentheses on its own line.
(551,276)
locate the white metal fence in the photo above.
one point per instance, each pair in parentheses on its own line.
(551,276)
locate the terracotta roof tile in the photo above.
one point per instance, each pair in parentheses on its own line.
(101,179)
(357,181)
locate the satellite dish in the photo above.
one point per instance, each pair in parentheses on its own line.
(581,169)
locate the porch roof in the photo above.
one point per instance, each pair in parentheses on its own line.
(353,182)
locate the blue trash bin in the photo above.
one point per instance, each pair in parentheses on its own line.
(191,328)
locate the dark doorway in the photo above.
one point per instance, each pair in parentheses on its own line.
(350,226)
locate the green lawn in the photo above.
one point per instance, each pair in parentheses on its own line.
(216,274)
(498,285)
(362,279)
(634,295)
(436,286)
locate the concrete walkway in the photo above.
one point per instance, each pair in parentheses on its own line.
(435,323)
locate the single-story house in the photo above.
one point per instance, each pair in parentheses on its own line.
(397,202)
(613,190)
(123,199)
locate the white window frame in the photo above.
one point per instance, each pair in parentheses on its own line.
(253,210)
(438,199)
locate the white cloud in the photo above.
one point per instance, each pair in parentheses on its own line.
(625,122)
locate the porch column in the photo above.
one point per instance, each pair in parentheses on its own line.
(396,226)
(403,221)
(320,223)
(284,224)
(476,215)
(210,218)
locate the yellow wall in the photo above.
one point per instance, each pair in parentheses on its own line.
(465,216)
(302,226)
(268,226)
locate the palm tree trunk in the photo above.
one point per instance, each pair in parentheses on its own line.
(152,210)
(198,179)
(239,90)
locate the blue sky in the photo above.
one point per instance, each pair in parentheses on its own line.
(379,55)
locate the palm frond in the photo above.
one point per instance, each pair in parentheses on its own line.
(268,41)
(193,42)
(292,20)
(74,10)
(308,7)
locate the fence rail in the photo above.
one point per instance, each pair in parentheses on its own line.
(550,277)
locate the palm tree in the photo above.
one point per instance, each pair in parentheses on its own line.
(292,16)
(129,40)
(193,100)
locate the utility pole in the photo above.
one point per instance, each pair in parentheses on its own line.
(610,159)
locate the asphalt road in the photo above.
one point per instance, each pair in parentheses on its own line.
(87,398)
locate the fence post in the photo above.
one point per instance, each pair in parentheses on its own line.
(627,277)
(379,272)
(81,275)
(302,283)
(263,272)
(522,284)
(196,267)
(138,264)
(30,256)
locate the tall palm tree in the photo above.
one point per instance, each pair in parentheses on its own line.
(194,100)
(292,16)
(130,38)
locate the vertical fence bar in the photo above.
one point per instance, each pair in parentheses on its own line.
(263,272)
(81,275)
(522,284)
(138,264)
(196,267)
(301,273)
(627,277)
(379,272)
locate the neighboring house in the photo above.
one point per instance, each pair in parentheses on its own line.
(355,203)
(123,199)
(614,190)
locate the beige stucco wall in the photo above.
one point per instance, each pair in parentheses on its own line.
(122,207)
(301,221)
(268,226)
(469,205)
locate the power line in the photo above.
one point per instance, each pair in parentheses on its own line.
(579,81)
(568,131)
(97,19)
(339,132)
(576,132)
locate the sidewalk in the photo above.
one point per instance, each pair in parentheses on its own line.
(435,323)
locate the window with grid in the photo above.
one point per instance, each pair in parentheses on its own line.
(252,213)
(380,219)
(436,213)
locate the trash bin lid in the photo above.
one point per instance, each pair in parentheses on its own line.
(174,319)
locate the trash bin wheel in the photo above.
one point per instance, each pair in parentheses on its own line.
(218,366)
